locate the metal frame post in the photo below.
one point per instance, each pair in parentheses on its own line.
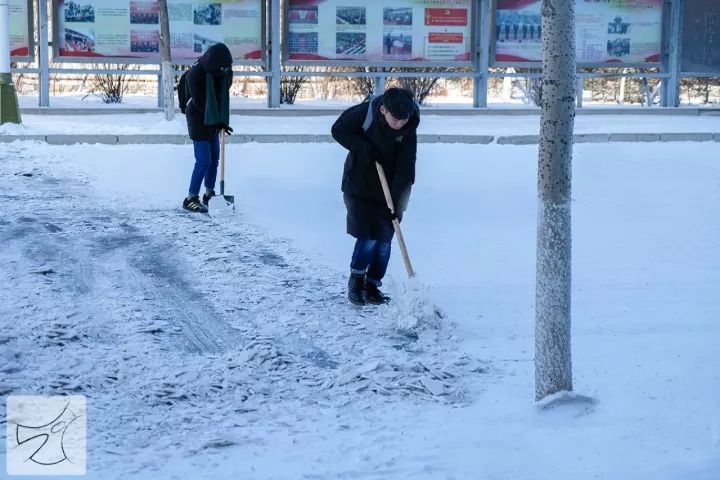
(379,85)
(274,57)
(580,87)
(671,61)
(43,56)
(482,57)
(160,92)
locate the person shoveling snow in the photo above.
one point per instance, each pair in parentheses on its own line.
(378,176)
(381,130)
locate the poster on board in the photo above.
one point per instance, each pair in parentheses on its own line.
(606,31)
(700,51)
(20,32)
(131,29)
(375,31)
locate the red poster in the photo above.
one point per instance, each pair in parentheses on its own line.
(449,17)
(445,38)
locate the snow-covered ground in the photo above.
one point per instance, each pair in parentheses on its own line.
(222,347)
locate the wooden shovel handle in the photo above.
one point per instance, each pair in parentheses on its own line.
(222,161)
(396,223)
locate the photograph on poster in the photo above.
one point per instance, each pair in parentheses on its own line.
(303,14)
(76,41)
(397,16)
(303,42)
(350,43)
(144,41)
(144,13)
(208,14)
(350,16)
(200,43)
(513,26)
(397,44)
(77,13)
(619,47)
(618,27)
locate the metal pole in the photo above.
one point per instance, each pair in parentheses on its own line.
(160,96)
(482,58)
(9,108)
(43,55)
(579,91)
(275,67)
(379,85)
(671,86)
(166,86)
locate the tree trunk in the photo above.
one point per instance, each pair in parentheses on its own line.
(553,366)
(168,77)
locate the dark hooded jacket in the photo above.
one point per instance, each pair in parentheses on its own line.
(216,59)
(364,132)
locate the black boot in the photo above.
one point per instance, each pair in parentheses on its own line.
(356,288)
(374,295)
(207,196)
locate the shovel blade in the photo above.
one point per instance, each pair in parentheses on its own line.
(230,200)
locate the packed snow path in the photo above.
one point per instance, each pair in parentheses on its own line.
(180,326)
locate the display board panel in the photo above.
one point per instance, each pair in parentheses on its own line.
(376,32)
(21,31)
(130,30)
(700,40)
(627,32)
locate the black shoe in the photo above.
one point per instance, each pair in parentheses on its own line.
(374,295)
(207,196)
(193,204)
(356,289)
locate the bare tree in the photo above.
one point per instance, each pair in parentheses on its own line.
(290,85)
(553,364)
(421,87)
(112,86)
(168,74)
(363,87)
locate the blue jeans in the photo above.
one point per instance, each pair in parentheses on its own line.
(371,257)
(207,156)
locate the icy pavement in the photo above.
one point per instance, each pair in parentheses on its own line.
(189,334)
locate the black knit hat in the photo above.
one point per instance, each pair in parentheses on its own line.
(399,102)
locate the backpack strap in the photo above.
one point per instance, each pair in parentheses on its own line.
(372,100)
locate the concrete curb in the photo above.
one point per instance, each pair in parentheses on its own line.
(688,137)
(425,110)
(473,139)
(74,139)
(178,139)
(634,137)
(518,139)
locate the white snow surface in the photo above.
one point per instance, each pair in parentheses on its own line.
(224,347)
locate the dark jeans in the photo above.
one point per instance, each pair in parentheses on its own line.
(371,256)
(207,156)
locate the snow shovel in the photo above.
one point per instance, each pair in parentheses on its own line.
(415,304)
(229,199)
(395,222)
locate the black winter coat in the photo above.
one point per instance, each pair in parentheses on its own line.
(215,59)
(395,150)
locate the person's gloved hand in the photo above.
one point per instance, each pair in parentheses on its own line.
(390,215)
(228,129)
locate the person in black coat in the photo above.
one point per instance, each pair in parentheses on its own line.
(381,130)
(207,113)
